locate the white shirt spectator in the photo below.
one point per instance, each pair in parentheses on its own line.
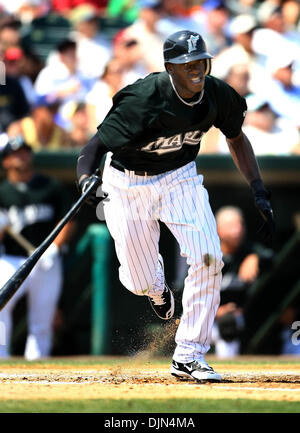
(28,89)
(242,31)
(100,97)
(268,133)
(279,141)
(237,55)
(92,54)
(174,23)
(56,78)
(284,102)
(55,83)
(151,43)
(93,49)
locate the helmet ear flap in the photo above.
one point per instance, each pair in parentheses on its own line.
(208,66)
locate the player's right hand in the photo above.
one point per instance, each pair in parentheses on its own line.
(262,202)
(93,199)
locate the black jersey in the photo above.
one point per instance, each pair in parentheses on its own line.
(150,128)
(33,208)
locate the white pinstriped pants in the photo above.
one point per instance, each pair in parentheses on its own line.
(178,199)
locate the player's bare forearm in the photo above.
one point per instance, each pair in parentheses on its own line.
(244,157)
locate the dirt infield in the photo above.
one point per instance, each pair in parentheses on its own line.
(130,378)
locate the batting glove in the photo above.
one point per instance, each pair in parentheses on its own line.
(94,198)
(262,202)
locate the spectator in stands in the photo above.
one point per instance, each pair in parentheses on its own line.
(14,63)
(281,85)
(28,10)
(40,129)
(270,134)
(61,82)
(270,16)
(242,30)
(144,31)
(279,90)
(238,77)
(243,262)
(213,21)
(93,49)
(14,105)
(290,10)
(241,7)
(128,52)
(79,133)
(99,99)
(176,17)
(10,35)
(277,32)
(31,64)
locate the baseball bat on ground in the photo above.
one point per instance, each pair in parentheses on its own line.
(12,285)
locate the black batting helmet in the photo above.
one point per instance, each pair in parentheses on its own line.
(185,46)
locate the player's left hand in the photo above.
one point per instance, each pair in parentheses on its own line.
(262,202)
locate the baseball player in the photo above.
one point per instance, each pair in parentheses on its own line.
(153,133)
(31,205)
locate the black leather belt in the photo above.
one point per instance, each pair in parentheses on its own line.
(136,172)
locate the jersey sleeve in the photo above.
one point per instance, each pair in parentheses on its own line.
(124,122)
(231,110)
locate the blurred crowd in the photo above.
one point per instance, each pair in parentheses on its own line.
(63,60)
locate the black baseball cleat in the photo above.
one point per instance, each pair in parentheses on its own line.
(198,370)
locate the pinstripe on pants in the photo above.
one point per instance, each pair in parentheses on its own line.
(178,199)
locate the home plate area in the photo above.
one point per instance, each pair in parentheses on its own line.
(130,379)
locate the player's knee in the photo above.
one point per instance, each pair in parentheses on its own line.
(139,290)
(213,262)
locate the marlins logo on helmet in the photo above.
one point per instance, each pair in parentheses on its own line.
(192,42)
